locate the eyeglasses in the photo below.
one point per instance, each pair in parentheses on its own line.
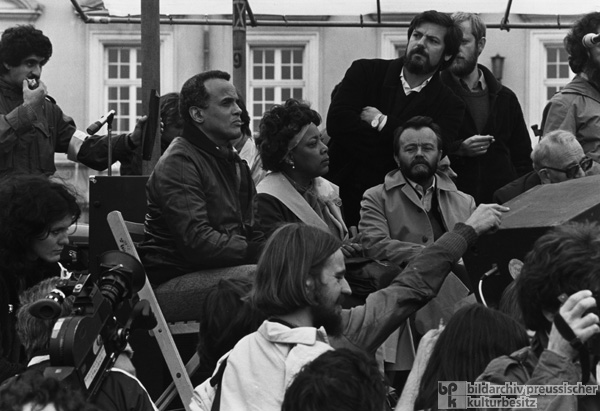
(571,172)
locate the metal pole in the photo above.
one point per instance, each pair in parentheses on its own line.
(239,45)
(150,70)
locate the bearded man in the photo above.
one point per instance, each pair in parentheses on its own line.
(494,147)
(576,107)
(400,218)
(300,286)
(377,96)
(415,205)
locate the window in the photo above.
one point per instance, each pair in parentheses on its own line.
(117,82)
(123,85)
(558,73)
(277,75)
(280,66)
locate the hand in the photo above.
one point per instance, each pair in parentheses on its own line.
(584,326)
(34,98)
(138,134)
(486,217)
(426,346)
(475,146)
(369,113)
(350,249)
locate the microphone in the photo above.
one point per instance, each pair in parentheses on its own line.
(590,40)
(97,125)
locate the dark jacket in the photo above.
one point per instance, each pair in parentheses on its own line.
(12,356)
(508,157)
(200,215)
(517,187)
(360,156)
(28,141)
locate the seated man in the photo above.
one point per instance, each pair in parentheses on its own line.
(557,157)
(300,285)
(200,195)
(556,289)
(409,211)
(414,206)
(120,391)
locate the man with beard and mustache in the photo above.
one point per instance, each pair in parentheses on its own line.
(576,107)
(407,213)
(377,96)
(415,205)
(300,286)
(494,145)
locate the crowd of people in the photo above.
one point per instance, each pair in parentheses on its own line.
(264,239)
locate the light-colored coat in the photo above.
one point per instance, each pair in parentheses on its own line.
(395,226)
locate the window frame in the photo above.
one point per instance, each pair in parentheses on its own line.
(282,39)
(98,41)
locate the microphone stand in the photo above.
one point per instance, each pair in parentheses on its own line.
(109,121)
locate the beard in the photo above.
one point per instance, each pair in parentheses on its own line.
(463,66)
(416,66)
(419,170)
(327,316)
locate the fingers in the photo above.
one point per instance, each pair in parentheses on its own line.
(574,311)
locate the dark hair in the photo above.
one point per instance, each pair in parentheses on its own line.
(293,254)
(225,318)
(474,336)
(34,333)
(578,53)
(244,116)
(29,205)
(509,303)
(169,110)
(417,123)
(19,42)
(194,93)
(278,126)
(453,36)
(31,387)
(564,260)
(338,380)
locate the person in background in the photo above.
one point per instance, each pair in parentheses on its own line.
(576,107)
(377,96)
(494,146)
(36,216)
(556,158)
(32,126)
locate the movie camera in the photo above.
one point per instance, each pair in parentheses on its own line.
(84,345)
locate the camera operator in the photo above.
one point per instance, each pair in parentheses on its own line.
(36,214)
(120,391)
(556,290)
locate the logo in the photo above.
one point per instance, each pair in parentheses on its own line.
(452,395)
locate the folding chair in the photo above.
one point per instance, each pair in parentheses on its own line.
(164,331)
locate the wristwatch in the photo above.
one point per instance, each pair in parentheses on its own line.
(375,121)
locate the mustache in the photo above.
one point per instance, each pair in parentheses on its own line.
(418,161)
(418,50)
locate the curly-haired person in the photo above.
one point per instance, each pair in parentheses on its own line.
(35,216)
(557,291)
(576,107)
(32,125)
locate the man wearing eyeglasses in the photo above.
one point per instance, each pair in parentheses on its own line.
(556,158)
